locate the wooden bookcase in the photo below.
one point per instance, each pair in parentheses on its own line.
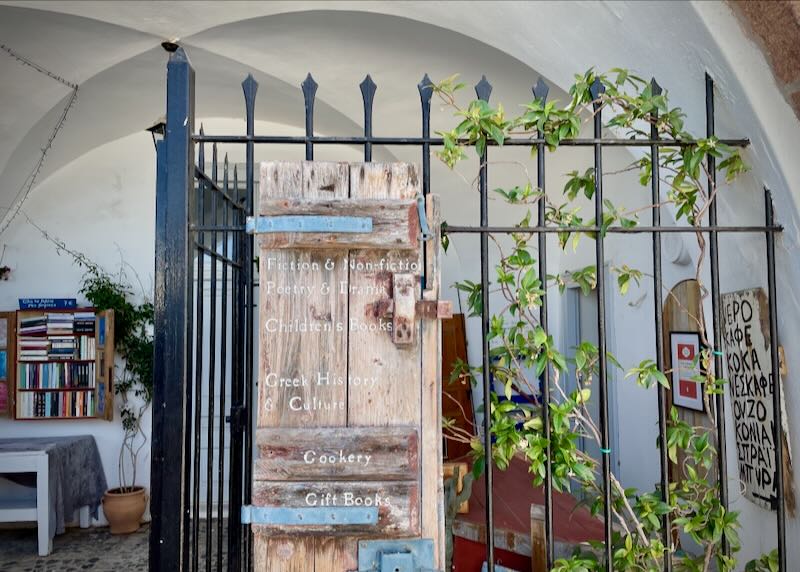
(63,370)
(8,324)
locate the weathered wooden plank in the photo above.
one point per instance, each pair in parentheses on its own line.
(282,554)
(335,554)
(300,285)
(331,453)
(303,313)
(431,481)
(538,538)
(395,223)
(395,399)
(397,503)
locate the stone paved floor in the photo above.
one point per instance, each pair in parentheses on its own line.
(93,549)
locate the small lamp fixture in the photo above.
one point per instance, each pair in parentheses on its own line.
(159,128)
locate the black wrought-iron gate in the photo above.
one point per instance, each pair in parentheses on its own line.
(204,301)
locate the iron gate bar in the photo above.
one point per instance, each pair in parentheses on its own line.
(223,368)
(309,87)
(540,91)
(175,282)
(438,141)
(457,229)
(713,252)
(212,366)
(596,89)
(237,406)
(208,251)
(211,182)
(368,88)
(156,553)
(425,89)
(483,91)
(173,318)
(453,229)
(776,381)
(658,305)
(198,371)
(250,87)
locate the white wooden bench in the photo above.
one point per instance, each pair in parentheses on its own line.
(22,508)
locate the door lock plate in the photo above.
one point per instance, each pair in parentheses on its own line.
(414,555)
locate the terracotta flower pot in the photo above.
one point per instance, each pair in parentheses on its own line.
(124,509)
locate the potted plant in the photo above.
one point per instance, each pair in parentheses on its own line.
(125,504)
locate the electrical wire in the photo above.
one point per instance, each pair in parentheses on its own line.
(30,180)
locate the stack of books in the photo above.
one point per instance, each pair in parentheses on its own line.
(55,375)
(62,347)
(56,404)
(84,323)
(60,324)
(85,347)
(33,349)
(33,325)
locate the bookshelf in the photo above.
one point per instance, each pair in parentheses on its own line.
(8,321)
(64,362)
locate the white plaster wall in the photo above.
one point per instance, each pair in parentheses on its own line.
(102,204)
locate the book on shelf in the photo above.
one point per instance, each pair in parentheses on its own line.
(56,404)
(33,325)
(33,342)
(55,375)
(64,364)
(60,323)
(84,323)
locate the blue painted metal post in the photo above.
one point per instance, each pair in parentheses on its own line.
(173,283)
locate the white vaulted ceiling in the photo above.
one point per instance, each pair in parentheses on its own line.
(112,50)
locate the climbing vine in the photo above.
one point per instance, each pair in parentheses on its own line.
(521,349)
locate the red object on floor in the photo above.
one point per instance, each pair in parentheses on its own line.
(469,556)
(513,495)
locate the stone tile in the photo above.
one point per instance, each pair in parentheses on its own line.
(77,550)
(97,550)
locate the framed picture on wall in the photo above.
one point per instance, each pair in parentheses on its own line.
(685,350)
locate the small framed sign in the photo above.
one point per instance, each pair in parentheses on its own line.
(685,350)
(47,303)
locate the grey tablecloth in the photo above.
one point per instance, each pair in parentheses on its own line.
(76,474)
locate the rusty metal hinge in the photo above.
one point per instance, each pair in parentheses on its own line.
(404,309)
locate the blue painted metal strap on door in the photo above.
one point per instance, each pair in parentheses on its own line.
(308,223)
(425,230)
(309,516)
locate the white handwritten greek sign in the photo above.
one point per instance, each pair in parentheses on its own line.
(750,376)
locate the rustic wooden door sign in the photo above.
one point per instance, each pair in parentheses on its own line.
(347,474)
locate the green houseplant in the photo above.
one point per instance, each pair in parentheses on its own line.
(125,504)
(133,387)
